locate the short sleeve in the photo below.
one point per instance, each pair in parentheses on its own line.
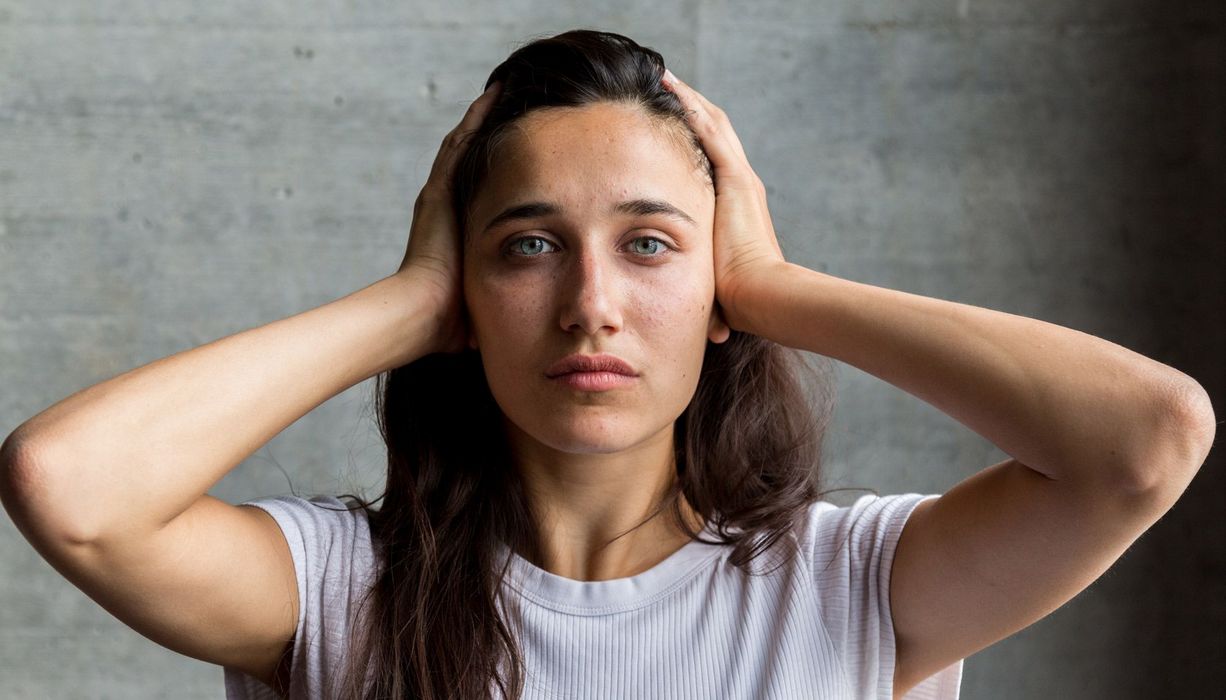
(852,551)
(333,564)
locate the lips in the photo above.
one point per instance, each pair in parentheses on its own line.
(602,362)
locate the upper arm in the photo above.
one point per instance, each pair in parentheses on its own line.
(216,583)
(997,552)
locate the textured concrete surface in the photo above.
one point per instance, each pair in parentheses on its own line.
(174,172)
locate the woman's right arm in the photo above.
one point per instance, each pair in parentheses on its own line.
(109,485)
(124,457)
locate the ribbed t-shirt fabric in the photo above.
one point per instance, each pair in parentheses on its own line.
(692,626)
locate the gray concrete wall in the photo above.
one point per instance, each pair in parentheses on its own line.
(174,172)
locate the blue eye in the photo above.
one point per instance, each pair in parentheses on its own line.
(654,245)
(536,245)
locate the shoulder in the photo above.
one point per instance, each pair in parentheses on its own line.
(866,529)
(314,515)
(329,540)
(851,551)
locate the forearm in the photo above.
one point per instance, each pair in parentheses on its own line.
(138,449)
(1062,402)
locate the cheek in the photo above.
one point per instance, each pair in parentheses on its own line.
(502,309)
(681,299)
(674,320)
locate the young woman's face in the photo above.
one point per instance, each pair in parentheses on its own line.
(592,267)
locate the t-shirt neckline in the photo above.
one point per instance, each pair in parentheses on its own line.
(613,595)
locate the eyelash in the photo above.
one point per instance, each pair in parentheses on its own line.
(511,246)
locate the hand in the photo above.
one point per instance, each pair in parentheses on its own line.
(746,251)
(432,258)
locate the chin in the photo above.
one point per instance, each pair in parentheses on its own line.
(579,434)
(591,437)
(579,447)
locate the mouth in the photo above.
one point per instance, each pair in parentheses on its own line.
(594,381)
(599,372)
(599,363)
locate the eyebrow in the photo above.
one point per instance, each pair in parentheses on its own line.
(637,207)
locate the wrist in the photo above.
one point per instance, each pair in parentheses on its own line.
(758,302)
(409,314)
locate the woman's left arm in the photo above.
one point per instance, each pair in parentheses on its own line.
(1069,405)
(1102,440)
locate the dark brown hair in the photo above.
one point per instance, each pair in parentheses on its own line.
(747,446)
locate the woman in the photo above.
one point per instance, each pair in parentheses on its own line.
(595,428)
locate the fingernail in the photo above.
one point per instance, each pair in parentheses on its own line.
(668,75)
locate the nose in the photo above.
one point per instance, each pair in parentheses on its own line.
(589,297)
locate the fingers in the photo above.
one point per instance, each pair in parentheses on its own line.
(457,139)
(476,111)
(715,130)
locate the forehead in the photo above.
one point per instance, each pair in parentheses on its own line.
(590,155)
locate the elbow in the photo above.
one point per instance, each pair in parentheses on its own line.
(18,480)
(1196,408)
(28,495)
(14,461)
(19,453)
(1180,443)
(19,460)
(1190,424)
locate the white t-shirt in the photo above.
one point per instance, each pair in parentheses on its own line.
(692,626)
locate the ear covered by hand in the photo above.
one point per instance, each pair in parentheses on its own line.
(433,256)
(746,251)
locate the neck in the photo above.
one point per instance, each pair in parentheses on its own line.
(595,512)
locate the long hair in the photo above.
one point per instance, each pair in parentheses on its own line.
(747,446)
